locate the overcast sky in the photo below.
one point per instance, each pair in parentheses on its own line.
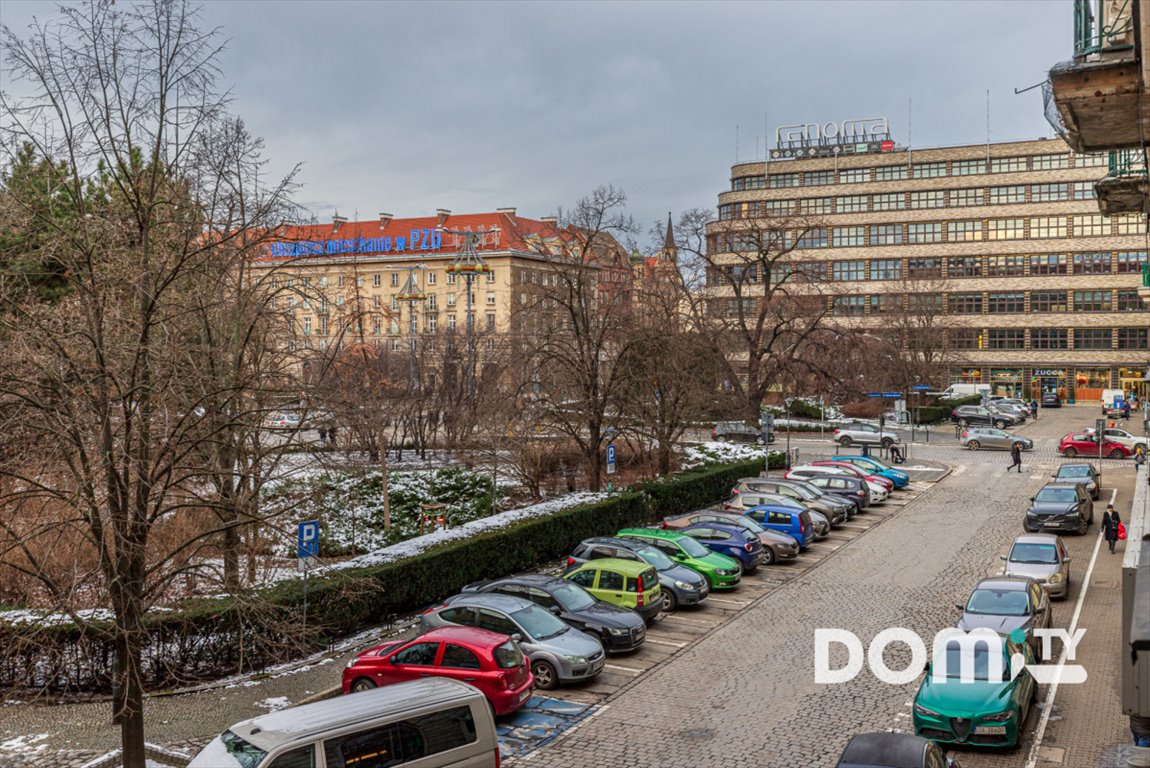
(472,106)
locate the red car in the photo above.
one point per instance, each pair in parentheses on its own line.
(1085,445)
(884,482)
(491,662)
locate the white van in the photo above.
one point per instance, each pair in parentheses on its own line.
(959,391)
(431,723)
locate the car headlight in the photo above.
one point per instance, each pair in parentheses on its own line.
(921,710)
(352,662)
(684,585)
(576,659)
(1056,579)
(725,572)
(999,717)
(618,630)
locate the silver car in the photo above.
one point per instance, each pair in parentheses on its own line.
(864,434)
(559,653)
(748,500)
(976,438)
(1042,557)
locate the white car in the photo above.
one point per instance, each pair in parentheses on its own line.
(878,493)
(1122,437)
(868,434)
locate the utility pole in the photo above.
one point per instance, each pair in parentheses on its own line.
(469,264)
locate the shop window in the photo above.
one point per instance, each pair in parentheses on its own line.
(1091,378)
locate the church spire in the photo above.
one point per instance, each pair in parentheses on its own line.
(669,240)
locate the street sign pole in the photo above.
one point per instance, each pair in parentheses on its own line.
(307,552)
(611,459)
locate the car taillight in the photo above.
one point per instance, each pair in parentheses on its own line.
(748,547)
(570,561)
(639,596)
(838,431)
(966,433)
(860,493)
(802,528)
(436,607)
(497,757)
(508,681)
(735,492)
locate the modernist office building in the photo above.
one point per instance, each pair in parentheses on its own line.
(1037,289)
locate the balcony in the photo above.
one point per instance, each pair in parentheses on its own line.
(1095,99)
(1125,188)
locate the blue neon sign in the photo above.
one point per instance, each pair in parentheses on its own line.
(416,240)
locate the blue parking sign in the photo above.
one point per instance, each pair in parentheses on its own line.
(307,539)
(610,459)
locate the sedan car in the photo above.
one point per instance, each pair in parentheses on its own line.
(877,493)
(776,546)
(558,653)
(738,432)
(893,750)
(1007,603)
(618,629)
(679,584)
(1122,437)
(490,661)
(850,488)
(1051,400)
(1087,445)
(875,467)
(283,421)
(730,540)
(988,708)
(1060,507)
(1042,557)
(967,415)
(864,434)
(1081,474)
(839,509)
(977,438)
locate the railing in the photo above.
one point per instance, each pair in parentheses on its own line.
(1102,26)
(1146,275)
(1126,162)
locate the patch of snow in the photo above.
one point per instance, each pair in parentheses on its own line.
(721,452)
(274,703)
(27,744)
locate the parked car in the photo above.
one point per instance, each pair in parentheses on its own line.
(1135,443)
(988,710)
(730,540)
(745,501)
(722,572)
(680,585)
(851,488)
(738,432)
(776,546)
(867,475)
(839,508)
(1016,410)
(1062,507)
(967,415)
(1042,557)
(977,438)
(559,654)
(873,466)
(788,520)
(1007,603)
(827,511)
(1087,445)
(864,434)
(877,493)
(625,583)
(1051,400)
(618,629)
(490,661)
(893,750)
(283,421)
(1081,474)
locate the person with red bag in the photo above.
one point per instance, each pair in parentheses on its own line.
(1111,524)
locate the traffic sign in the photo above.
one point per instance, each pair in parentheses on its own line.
(888,395)
(611,459)
(921,387)
(307,539)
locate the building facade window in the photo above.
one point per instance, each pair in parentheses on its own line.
(1129,223)
(854,175)
(1043,227)
(1008,195)
(934,198)
(394,279)
(431,278)
(886,234)
(894,201)
(848,270)
(1082,190)
(1130,301)
(1092,338)
(818,178)
(964,303)
(964,266)
(781,180)
(1049,264)
(853,204)
(1048,338)
(967,167)
(1006,338)
(1048,301)
(963,338)
(924,268)
(886,269)
(748,182)
(924,303)
(816,205)
(1133,338)
(1051,162)
(924,233)
(1007,164)
(1130,261)
(1091,225)
(1049,193)
(849,306)
(1091,263)
(890,173)
(1005,303)
(963,198)
(1092,301)
(963,231)
(377,280)
(885,303)
(1006,229)
(812,238)
(1005,266)
(929,170)
(1092,160)
(848,237)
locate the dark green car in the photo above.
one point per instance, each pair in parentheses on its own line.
(721,572)
(979,711)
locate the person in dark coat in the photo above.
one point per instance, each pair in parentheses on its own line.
(1110,521)
(1015,458)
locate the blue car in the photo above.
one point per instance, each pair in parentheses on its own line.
(875,467)
(728,539)
(788,520)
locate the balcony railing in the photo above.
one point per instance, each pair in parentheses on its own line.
(1101,26)
(1127,162)
(1146,275)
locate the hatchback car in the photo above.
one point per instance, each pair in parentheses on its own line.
(834,506)
(967,415)
(876,493)
(1133,442)
(680,585)
(625,583)
(722,572)
(1007,603)
(1042,557)
(1051,400)
(1076,444)
(866,474)
(893,750)
(490,661)
(977,438)
(1080,474)
(283,421)
(558,653)
(776,546)
(745,501)
(738,432)
(987,708)
(850,488)
(864,434)
(786,520)
(618,629)
(875,467)
(730,540)
(1061,507)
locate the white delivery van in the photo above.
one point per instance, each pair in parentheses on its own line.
(1109,396)
(958,391)
(430,723)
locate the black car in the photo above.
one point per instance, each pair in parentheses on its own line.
(738,432)
(893,750)
(1051,400)
(853,489)
(966,415)
(619,629)
(1060,507)
(1083,474)
(834,508)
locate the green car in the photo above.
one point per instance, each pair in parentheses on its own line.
(979,711)
(722,572)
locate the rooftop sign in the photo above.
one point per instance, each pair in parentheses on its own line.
(850,137)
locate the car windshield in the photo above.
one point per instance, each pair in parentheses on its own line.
(1074,472)
(998,602)
(572,597)
(655,558)
(1046,554)
(692,547)
(779,500)
(980,655)
(538,623)
(245,754)
(747,523)
(1058,495)
(806,493)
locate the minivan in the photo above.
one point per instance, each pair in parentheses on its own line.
(625,583)
(439,722)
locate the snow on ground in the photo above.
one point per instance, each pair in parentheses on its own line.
(717,452)
(26,616)
(273,704)
(27,744)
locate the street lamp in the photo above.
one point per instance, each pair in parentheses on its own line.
(469,264)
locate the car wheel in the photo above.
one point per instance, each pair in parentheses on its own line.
(973,445)
(1082,526)
(887,442)
(362,684)
(546,678)
(768,556)
(760,440)
(1117,454)
(1000,424)
(845,441)
(670,602)
(1070,453)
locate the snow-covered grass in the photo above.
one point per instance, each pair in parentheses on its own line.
(717,453)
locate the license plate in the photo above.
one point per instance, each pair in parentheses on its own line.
(598,666)
(991,730)
(1051,524)
(523,696)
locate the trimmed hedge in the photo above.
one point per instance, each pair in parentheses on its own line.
(248,632)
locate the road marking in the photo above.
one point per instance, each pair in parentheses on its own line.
(630,670)
(671,643)
(695,622)
(740,603)
(563,736)
(1040,732)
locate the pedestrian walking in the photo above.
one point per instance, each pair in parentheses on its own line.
(1126,410)
(1140,728)
(1034,409)
(1110,523)
(1015,458)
